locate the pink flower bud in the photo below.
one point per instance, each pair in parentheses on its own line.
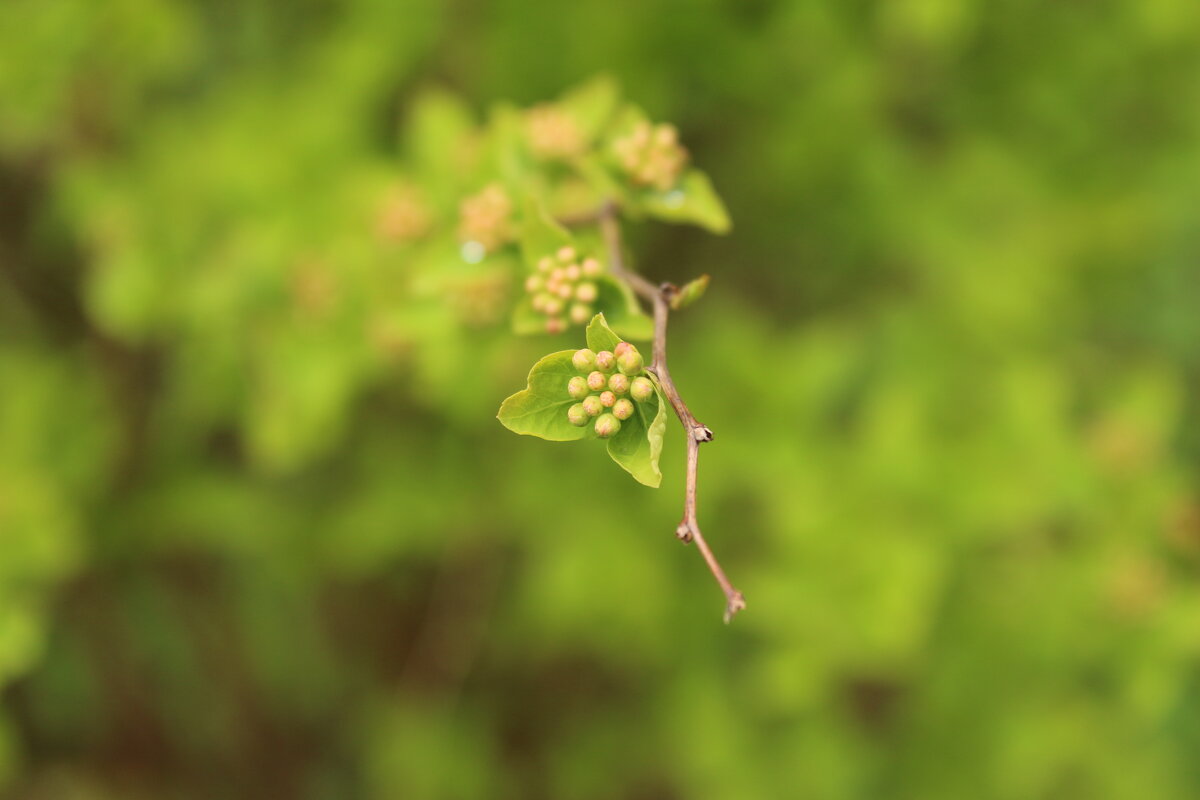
(584,360)
(577,416)
(607,425)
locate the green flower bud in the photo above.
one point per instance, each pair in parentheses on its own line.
(551,306)
(622,409)
(641,389)
(618,383)
(597,381)
(556,325)
(631,362)
(546,264)
(573,272)
(533,284)
(591,267)
(621,349)
(577,387)
(580,313)
(586,292)
(592,406)
(584,360)
(577,415)
(605,360)
(607,425)
(608,399)
(566,254)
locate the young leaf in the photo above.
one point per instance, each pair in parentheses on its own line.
(600,336)
(689,293)
(638,445)
(540,409)
(439,124)
(540,235)
(692,200)
(592,104)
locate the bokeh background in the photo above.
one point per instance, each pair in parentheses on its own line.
(253,545)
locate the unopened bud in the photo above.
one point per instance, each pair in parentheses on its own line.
(640,389)
(577,387)
(580,313)
(607,399)
(552,306)
(556,325)
(584,360)
(618,383)
(572,272)
(565,291)
(577,415)
(606,360)
(586,293)
(546,264)
(622,409)
(533,284)
(621,349)
(597,381)
(592,406)
(539,301)
(607,425)
(566,254)
(591,267)
(631,362)
(557,274)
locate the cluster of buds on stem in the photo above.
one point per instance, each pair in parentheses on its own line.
(553,134)
(608,386)
(564,288)
(651,155)
(486,218)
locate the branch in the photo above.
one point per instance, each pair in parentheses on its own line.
(659,297)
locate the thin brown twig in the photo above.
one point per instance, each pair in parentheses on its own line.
(697,433)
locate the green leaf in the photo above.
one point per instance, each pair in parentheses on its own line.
(438,125)
(692,200)
(541,408)
(540,235)
(592,104)
(691,292)
(600,336)
(638,445)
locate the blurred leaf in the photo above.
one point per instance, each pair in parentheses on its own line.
(691,291)
(693,200)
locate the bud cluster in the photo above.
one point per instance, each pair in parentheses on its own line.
(607,387)
(404,215)
(652,155)
(486,218)
(564,289)
(552,133)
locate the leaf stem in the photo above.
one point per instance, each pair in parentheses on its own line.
(659,297)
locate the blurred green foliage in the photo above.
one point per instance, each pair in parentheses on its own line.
(262,536)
